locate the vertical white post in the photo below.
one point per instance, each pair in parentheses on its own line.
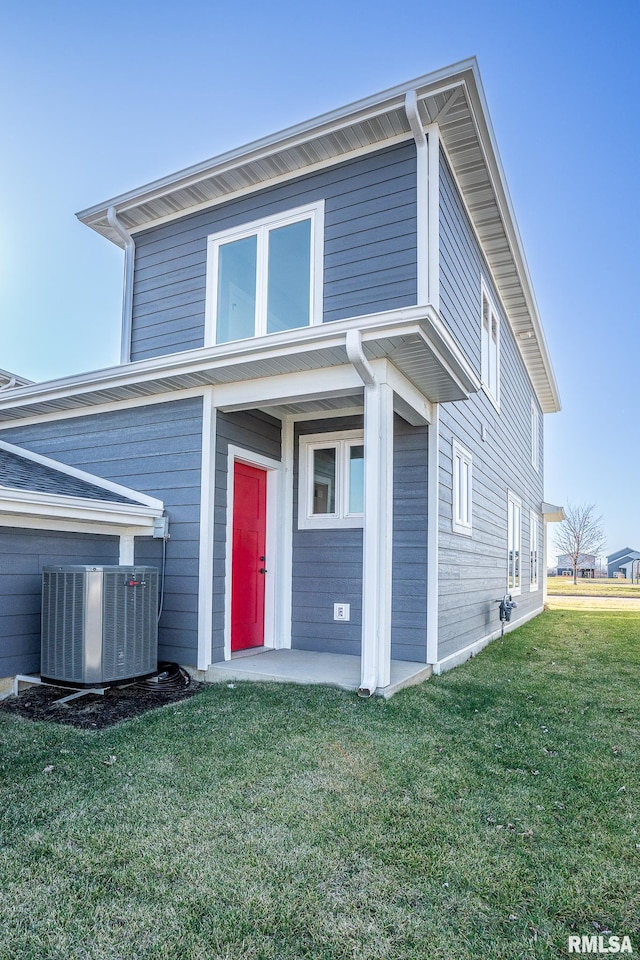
(432,536)
(126,556)
(378,530)
(205,560)
(285,539)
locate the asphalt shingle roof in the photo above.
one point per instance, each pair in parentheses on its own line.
(22,473)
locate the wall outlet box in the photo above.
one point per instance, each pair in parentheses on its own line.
(342,611)
(161,528)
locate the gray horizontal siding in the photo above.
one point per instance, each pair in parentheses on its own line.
(473,570)
(327,569)
(156,450)
(369,248)
(409,577)
(23,554)
(255,432)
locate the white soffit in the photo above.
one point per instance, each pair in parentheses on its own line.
(454,99)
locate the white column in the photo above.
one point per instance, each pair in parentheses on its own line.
(378,530)
(205,560)
(285,539)
(432,536)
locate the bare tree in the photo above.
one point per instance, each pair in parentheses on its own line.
(580,533)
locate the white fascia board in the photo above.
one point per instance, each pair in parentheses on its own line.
(59,467)
(28,503)
(356,112)
(482,121)
(70,525)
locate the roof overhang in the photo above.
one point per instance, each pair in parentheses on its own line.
(454,99)
(47,510)
(275,369)
(552,514)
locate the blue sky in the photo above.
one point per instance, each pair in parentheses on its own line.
(98,99)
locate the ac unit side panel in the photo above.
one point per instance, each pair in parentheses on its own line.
(130,623)
(63,634)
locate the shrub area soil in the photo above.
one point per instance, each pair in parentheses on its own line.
(96,711)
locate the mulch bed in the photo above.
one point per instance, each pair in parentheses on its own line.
(97,711)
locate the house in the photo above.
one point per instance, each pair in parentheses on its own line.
(587,563)
(621,563)
(333,380)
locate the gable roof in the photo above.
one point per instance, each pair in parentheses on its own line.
(454,99)
(621,554)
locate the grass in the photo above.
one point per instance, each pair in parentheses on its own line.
(491,812)
(564,586)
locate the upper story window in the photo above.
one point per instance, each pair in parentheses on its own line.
(331,480)
(535,436)
(265,277)
(490,348)
(462,476)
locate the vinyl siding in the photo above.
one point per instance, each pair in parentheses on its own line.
(23,554)
(473,570)
(409,576)
(327,569)
(369,248)
(156,450)
(255,432)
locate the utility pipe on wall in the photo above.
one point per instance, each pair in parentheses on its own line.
(127,293)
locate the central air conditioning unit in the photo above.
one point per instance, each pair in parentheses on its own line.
(99,624)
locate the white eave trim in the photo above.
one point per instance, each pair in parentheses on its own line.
(421,322)
(27,503)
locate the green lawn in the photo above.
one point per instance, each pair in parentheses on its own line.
(564,586)
(488,813)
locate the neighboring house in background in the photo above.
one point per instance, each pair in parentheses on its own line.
(587,564)
(621,563)
(333,378)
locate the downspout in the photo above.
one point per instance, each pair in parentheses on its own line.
(422,195)
(127,295)
(9,384)
(355,354)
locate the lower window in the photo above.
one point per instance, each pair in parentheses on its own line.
(331,480)
(514,529)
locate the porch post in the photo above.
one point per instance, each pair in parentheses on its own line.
(378,529)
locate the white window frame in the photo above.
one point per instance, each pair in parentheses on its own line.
(514,544)
(261,229)
(341,442)
(489,353)
(462,512)
(535,436)
(534,551)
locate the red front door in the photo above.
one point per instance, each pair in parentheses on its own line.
(248,559)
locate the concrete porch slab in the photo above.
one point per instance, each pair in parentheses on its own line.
(306,667)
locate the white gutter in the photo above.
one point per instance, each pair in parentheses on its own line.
(127,294)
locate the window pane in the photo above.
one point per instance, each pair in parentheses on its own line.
(356,479)
(289,281)
(324,480)
(236,308)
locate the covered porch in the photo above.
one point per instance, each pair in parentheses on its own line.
(308,667)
